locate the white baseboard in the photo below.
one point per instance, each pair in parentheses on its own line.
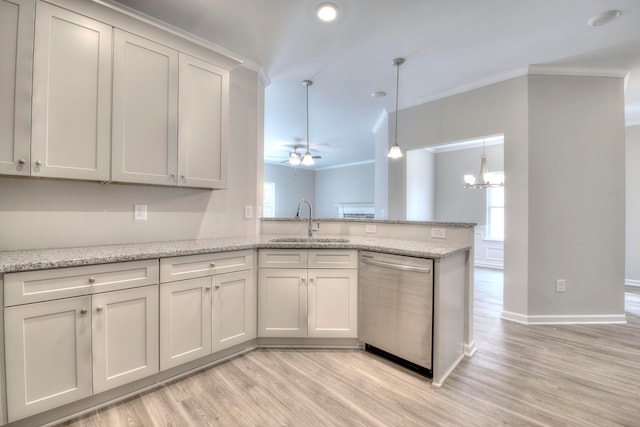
(470,349)
(578,319)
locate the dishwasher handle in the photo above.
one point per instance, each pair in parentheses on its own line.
(394,266)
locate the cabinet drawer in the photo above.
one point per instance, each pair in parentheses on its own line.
(192,266)
(283,258)
(333,258)
(42,285)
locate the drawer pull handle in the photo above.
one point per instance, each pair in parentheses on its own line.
(92,280)
(99,308)
(83,311)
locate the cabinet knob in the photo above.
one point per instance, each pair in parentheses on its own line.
(83,311)
(217,286)
(311,281)
(99,308)
(92,280)
(212,265)
(38,163)
(303,279)
(208,288)
(21,162)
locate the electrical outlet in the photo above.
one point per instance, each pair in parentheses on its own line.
(139,212)
(371,228)
(248,212)
(439,233)
(561,285)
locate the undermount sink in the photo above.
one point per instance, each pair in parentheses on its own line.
(309,240)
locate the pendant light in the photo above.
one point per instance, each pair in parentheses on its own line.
(395,152)
(307,160)
(483,180)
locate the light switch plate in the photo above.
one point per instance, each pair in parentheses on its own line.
(140,212)
(248,212)
(371,228)
(439,233)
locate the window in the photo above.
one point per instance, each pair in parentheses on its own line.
(269,200)
(495,210)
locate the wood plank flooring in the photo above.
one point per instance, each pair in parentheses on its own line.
(584,375)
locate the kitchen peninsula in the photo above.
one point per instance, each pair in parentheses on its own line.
(112,279)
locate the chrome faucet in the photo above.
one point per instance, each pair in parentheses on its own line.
(311,227)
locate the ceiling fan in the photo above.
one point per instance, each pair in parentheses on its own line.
(295,158)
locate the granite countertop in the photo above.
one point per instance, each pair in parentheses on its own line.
(38,259)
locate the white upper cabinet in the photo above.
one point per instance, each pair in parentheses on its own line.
(71,95)
(203,122)
(16,51)
(145,110)
(170,116)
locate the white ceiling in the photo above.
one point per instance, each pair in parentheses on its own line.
(449,46)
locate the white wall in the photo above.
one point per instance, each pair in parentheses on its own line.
(632,251)
(490,110)
(292,185)
(347,184)
(381,180)
(576,127)
(421,184)
(557,129)
(41,213)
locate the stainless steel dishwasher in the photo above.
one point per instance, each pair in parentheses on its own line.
(396,308)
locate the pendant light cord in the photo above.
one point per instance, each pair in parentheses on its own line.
(307,85)
(397,64)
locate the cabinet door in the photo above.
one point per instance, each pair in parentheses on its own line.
(282,303)
(185,321)
(125,336)
(203,117)
(145,107)
(234,309)
(48,355)
(71,95)
(16,51)
(333,303)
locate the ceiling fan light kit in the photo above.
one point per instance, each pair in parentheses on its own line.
(395,152)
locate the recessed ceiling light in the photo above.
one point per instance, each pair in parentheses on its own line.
(327,12)
(603,18)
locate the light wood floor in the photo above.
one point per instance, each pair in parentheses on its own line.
(520,376)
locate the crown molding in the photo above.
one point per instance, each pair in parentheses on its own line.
(508,75)
(232,59)
(346,165)
(559,70)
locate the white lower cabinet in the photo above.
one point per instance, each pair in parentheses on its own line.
(125,336)
(51,346)
(308,302)
(203,315)
(233,314)
(282,309)
(332,303)
(48,355)
(185,321)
